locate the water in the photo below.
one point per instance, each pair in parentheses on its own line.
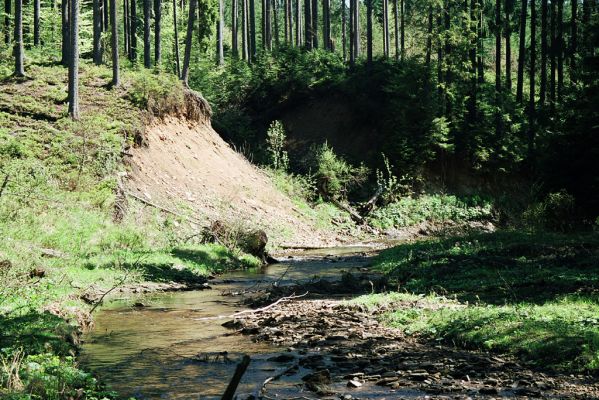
(162,350)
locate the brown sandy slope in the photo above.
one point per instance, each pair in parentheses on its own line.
(187,166)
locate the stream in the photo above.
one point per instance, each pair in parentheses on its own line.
(162,350)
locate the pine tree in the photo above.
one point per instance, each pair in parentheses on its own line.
(73,92)
(7,12)
(36,22)
(543,83)
(66,32)
(521,51)
(234,33)
(18,40)
(220,56)
(114,43)
(157,32)
(147,7)
(188,42)
(97,32)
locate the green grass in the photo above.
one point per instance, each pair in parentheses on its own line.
(410,211)
(57,215)
(534,296)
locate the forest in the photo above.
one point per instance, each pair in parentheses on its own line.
(299,199)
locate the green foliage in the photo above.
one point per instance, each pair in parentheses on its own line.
(392,187)
(159,94)
(335,176)
(409,211)
(555,213)
(275,140)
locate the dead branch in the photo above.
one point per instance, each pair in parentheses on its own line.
(239,371)
(276,377)
(166,210)
(349,209)
(240,313)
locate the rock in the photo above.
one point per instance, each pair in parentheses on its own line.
(282,358)
(321,377)
(354,383)
(386,381)
(488,390)
(37,273)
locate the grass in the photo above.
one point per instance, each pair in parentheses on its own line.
(534,296)
(57,219)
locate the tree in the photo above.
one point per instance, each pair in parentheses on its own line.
(126,28)
(244,30)
(369,31)
(531,105)
(147,7)
(18,39)
(386,37)
(552,52)
(73,94)
(521,51)
(573,34)
(497,49)
(66,32)
(157,32)
(560,49)
(252,30)
(308,23)
(188,42)
(114,44)
(97,32)
(543,83)
(176,44)
(36,22)
(220,58)
(298,24)
(509,7)
(7,11)
(396,31)
(343,30)
(234,34)
(133,32)
(315,24)
(403,30)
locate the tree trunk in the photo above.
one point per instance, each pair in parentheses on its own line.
(479,35)
(267,24)
(508,45)
(429,36)
(66,32)
(369,31)
(133,40)
(188,42)
(343,30)
(18,39)
(543,87)
(447,51)
(147,7)
(157,32)
(573,35)
(234,45)
(252,30)
(36,22)
(7,11)
(244,30)
(74,61)
(531,105)
(275,16)
(315,24)
(403,30)
(497,48)
(326,24)
(357,27)
(105,12)
(560,49)
(552,51)
(298,24)
(176,29)
(97,32)
(308,23)
(220,58)
(352,32)
(115,44)
(521,52)
(386,36)
(127,28)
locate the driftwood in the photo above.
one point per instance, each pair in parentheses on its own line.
(240,313)
(239,371)
(369,206)
(352,212)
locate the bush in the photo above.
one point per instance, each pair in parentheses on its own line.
(554,213)
(411,211)
(335,176)
(159,94)
(276,144)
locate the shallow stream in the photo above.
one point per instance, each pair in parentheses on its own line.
(162,349)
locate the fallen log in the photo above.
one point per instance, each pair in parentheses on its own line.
(240,313)
(239,371)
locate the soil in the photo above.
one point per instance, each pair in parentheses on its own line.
(187,165)
(345,345)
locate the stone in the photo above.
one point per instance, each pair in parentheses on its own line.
(354,383)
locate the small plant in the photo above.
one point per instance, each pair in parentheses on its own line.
(275,140)
(392,187)
(335,176)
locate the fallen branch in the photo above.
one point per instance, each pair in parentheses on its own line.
(240,313)
(350,210)
(239,371)
(166,210)
(276,377)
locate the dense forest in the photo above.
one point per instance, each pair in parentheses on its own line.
(399,195)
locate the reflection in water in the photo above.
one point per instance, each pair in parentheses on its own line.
(163,351)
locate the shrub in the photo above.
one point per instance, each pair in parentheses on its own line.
(335,176)
(554,213)
(276,143)
(159,94)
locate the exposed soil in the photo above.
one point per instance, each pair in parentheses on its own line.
(189,166)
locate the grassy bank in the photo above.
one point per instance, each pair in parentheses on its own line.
(61,220)
(534,296)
